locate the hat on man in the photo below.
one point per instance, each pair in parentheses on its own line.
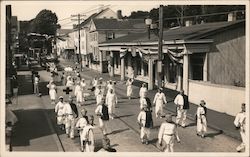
(60,97)
(202,103)
(70,97)
(168,118)
(84,112)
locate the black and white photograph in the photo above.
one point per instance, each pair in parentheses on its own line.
(142,77)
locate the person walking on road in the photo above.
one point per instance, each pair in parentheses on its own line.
(143,90)
(70,81)
(159,101)
(86,133)
(94,83)
(36,84)
(102,112)
(129,88)
(98,95)
(83,86)
(71,113)
(52,91)
(181,112)
(201,119)
(168,133)
(143,100)
(240,123)
(59,113)
(145,122)
(111,101)
(79,94)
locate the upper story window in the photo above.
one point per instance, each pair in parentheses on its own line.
(110,35)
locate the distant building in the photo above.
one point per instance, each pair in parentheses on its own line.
(206,60)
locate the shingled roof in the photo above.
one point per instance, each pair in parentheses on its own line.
(180,33)
(116,24)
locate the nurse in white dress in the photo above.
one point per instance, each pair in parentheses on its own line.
(52,91)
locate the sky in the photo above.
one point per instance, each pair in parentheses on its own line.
(27,10)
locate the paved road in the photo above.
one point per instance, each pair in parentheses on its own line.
(124,131)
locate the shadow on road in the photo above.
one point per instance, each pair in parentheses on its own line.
(128,115)
(31,125)
(213,134)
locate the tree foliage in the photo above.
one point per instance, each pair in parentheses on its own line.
(176,15)
(45,23)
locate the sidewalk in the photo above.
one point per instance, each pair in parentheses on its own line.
(33,131)
(216,120)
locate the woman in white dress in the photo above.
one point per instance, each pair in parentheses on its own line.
(111,101)
(79,93)
(70,82)
(83,85)
(129,88)
(52,91)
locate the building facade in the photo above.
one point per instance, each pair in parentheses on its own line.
(203,60)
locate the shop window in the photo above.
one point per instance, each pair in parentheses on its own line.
(197,62)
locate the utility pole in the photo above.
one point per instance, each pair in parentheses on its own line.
(160,46)
(79,58)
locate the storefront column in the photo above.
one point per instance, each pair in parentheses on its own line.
(142,68)
(205,68)
(179,82)
(122,69)
(112,64)
(185,71)
(150,75)
(156,74)
(129,65)
(101,63)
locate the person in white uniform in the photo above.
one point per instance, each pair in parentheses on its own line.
(86,133)
(181,113)
(145,122)
(52,91)
(36,85)
(143,90)
(143,100)
(168,133)
(79,94)
(70,112)
(129,88)
(102,112)
(83,85)
(98,95)
(201,119)
(70,82)
(159,101)
(59,113)
(110,85)
(111,101)
(240,123)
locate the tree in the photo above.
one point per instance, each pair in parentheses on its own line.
(45,23)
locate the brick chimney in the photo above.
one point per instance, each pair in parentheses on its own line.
(119,14)
(231,16)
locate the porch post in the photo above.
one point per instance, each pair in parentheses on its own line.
(205,68)
(101,63)
(112,64)
(185,71)
(179,83)
(150,74)
(142,67)
(129,65)
(122,69)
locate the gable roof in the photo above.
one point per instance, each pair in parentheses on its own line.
(92,17)
(117,24)
(193,32)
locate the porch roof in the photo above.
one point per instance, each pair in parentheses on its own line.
(194,32)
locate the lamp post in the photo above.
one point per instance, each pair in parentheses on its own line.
(148,23)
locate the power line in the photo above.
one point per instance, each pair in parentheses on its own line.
(85,12)
(202,15)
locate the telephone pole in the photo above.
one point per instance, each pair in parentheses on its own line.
(159,67)
(79,57)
